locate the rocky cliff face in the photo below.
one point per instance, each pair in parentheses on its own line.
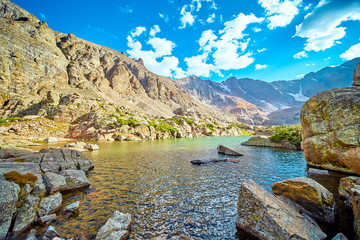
(331,128)
(47,73)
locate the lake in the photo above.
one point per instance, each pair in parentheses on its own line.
(166,195)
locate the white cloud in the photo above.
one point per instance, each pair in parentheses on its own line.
(300,55)
(160,59)
(280,13)
(259,66)
(321,27)
(261,50)
(154,30)
(351,53)
(138,31)
(197,66)
(307,7)
(227,50)
(188,12)
(211,18)
(164,16)
(310,64)
(257,29)
(186,17)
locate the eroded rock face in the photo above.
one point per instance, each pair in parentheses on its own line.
(314,199)
(331,130)
(26,215)
(267,217)
(8,199)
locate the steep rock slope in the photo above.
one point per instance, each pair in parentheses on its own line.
(63,77)
(331,128)
(219,95)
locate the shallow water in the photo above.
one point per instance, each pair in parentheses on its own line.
(155,182)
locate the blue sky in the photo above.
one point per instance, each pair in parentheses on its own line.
(264,39)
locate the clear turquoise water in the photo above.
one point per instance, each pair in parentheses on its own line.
(155,182)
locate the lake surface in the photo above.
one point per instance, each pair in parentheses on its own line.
(166,195)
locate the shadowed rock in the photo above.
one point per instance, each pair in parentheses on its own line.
(227,151)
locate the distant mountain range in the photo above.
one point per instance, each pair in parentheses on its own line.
(259,102)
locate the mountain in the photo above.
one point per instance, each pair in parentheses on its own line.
(65,77)
(277,102)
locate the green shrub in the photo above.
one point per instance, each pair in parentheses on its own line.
(287,133)
(4,121)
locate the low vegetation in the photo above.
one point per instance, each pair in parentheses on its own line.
(292,134)
(5,121)
(21,179)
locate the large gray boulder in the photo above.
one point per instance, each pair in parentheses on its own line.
(313,198)
(26,215)
(266,216)
(50,204)
(9,192)
(75,179)
(227,151)
(116,228)
(54,182)
(56,160)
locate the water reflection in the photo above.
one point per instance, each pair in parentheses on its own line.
(166,195)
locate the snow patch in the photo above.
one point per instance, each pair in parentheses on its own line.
(224,86)
(299,96)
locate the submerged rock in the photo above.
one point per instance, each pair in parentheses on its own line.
(227,151)
(314,199)
(204,161)
(267,217)
(314,171)
(116,227)
(8,199)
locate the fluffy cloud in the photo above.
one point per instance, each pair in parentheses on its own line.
(197,66)
(158,60)
(280,13)
(138,31)
(321,27)
(188,12)
(259,66)
(211,18)
(164,16)
(227,50)
(154,30)
(261,50)
(352,52)
(300,55)
(186,17)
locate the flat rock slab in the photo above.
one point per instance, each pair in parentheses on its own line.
(199,162)
(266,216)
(227,151)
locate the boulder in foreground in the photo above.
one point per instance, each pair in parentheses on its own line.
(117,227)
(265,216)
(227,151)
(314,199)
